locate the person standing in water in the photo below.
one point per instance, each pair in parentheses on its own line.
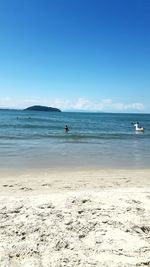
(66,128)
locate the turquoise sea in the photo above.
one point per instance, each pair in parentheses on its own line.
(37,140)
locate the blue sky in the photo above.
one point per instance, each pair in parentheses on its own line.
(75,54)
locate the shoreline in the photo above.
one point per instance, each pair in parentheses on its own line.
(49,181)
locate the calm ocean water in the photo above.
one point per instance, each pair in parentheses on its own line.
(95,140)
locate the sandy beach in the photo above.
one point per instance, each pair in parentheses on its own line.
(75,218)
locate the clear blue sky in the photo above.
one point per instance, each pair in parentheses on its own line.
(75,54)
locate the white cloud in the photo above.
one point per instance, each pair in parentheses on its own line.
(107,101)
(131,106)
(81,104)
(103,105)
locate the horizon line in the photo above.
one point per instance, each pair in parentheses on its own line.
(76,111)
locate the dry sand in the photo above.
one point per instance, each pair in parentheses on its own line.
(79,218)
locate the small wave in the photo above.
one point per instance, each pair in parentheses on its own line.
(72,137)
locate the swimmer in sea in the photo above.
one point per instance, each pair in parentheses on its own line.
(66,129)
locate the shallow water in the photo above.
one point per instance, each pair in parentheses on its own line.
(95,140)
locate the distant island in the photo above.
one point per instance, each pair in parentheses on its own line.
(43,108)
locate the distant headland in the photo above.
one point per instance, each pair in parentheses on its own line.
(42,108)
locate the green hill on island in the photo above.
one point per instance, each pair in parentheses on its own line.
(42,108)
